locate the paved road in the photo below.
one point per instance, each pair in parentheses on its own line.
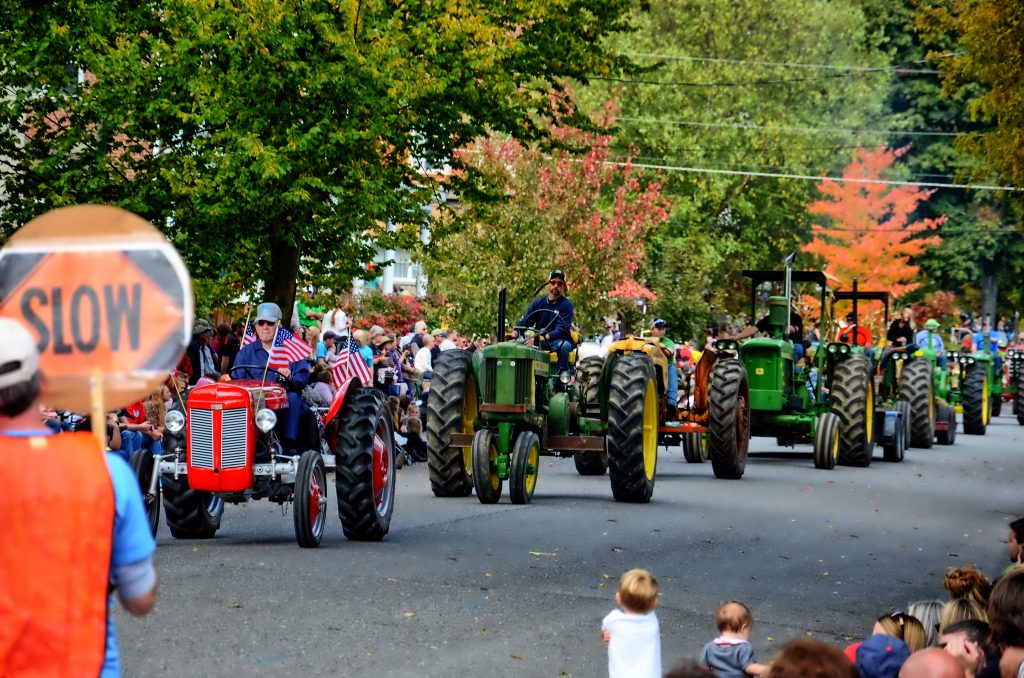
(462,588)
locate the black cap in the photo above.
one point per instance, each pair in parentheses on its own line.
(557,274)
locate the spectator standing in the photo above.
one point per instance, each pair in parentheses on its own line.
(336,320)
(57,582)
(631,633)
(423,361)
(230,346)
(309,316)
(200,354)
(730,654)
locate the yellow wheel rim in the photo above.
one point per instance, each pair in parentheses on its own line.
(870,418)
(532,464)
(650,430)
(492,464)
(984,400)
(835,446)
(469,412)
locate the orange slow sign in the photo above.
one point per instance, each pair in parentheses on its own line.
(105,296)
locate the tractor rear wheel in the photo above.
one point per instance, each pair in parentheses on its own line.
(310,497)
(916,389)
(997,404)
(588,375)
(694,449)
(632,428)
(141,462)
(975,400)
(364,475)
(451,408)
(947,414)
(522,479)
(853,400)
(729,421)
(190,514)
(826,441)
(1019,402)
(485,472)
(896,450)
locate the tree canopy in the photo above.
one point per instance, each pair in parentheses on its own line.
(276,139)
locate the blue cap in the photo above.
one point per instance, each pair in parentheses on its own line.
(881,656)
(268,311)
(658,322)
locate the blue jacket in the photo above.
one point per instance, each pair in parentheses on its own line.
(562,306)
(255,354)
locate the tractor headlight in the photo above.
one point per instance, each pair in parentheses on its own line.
(970,361)
(844,349)
(952,355)
(564,376)
(833,348)
(266,420)
(175,421)
(726,345)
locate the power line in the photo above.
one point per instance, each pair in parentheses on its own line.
(772,128)
(807,177)
(733,83)
(785,64)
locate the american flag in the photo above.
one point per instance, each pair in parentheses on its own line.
(350,364)
(287,348)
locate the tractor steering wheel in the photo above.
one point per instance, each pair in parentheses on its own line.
(528,322)
(258,368)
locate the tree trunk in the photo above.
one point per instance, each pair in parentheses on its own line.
(989,297)
(282,275)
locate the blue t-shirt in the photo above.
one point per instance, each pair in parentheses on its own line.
(132,541)
(728,660)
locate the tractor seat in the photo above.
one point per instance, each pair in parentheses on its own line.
(553,355)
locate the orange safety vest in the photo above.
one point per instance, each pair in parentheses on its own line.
(56,532)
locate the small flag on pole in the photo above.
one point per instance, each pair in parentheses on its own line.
(350,364)
(286,350)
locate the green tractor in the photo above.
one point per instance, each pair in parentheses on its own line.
(493,413)
(976,387)
(911,383)
(1015,380)
(785,400)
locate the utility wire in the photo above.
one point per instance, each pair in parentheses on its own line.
(771,128)
(735,83)
(786,64)
(808,177)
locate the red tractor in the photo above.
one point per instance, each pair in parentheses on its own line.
(225,448)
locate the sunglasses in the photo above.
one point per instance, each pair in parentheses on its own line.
(265,323)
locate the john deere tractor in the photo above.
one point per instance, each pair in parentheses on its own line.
(492,414)
(785,400)
(976,389)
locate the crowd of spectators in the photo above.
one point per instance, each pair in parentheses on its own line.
(975,631)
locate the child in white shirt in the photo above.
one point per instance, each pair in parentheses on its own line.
(632,634)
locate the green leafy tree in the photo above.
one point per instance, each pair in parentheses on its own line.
(574,212)
(275,139)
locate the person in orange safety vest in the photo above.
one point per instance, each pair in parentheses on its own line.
(74,531)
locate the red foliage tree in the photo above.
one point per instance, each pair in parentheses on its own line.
(867,230)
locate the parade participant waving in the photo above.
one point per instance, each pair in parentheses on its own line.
(58,566)
(275,347)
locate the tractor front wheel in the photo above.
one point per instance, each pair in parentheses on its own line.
(522,480)
(694,449)
(916,389)
(632,428)
(141,462)
(451,408)
(364,475)
(826,441)
(896,450)
(190,514)
(310,498)
(588,376)
(485,470)
(729,421)
(853,400)
(947,414)
(975,400)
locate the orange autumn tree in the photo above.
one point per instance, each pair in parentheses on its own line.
(866,231)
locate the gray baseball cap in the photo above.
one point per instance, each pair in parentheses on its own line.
(19,357)
(268,311)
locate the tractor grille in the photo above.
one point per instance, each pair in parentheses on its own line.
(200,438)
(234,438)
(516,381)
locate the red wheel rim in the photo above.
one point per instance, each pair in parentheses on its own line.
(382,471)
(315,497)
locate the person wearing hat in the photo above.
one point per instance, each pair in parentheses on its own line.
(881,656)
(668,347)
(199,353)
(294,378)
(382,361)
(795,332)
(557,320)
(930,338)
(57,580)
